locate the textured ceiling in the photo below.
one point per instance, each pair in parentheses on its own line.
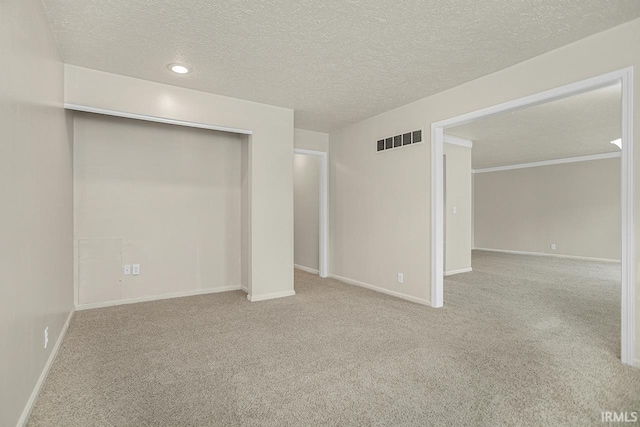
(335,62)
(576,126)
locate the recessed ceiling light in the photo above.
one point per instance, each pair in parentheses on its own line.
(179,69)
(617,143)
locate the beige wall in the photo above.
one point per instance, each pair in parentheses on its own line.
(380,203)
(306,204)
(379,208)
(36,258)
(310,140)
(171,195)
(576,206)
(270,156)
(457,195)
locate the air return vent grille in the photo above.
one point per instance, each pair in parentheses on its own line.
(404,139)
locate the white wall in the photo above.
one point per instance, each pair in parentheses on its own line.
(310,140)
(170,194)
(380,203)
(575,206)
(458,194)
(36,248)
(306,203)
(270,157)
(379,208)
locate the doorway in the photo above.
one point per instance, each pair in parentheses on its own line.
(623,77)
(310,211)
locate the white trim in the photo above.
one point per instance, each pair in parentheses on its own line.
(244,289)
(24,417)
(623,77)
(456,140)
(324,208)
(437,216)
(550,162)
(461,270)
(627,206)
(273,295)
(307,269)
(126,115)
(381,290)
(310,152)
(507,251)
(194,292)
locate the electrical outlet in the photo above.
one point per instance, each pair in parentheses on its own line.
(455,209)
(400,278)
(46,337)
(136,269)
(553,246)
(127,269)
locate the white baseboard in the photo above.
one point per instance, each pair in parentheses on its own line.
(506,251)
(244,289)
(158,297)
(273,295)
(307,269)
(43,375)
(462,270)
(381,290)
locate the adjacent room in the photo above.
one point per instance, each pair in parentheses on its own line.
(536,193)
(225,213)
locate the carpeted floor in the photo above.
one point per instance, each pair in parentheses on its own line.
(521,340)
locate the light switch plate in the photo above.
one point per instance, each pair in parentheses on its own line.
(136,269)
(126,269)
(400,278)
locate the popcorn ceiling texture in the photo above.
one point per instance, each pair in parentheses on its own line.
(579,125)
(335,62)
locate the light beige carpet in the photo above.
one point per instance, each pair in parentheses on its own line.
(521,341)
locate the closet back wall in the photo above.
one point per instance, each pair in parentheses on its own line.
(162,196)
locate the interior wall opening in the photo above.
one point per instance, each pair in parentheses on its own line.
(556,191)
(310,211)
(159,210)
(306,218)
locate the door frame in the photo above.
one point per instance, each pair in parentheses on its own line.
(324,208)
(625,78)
